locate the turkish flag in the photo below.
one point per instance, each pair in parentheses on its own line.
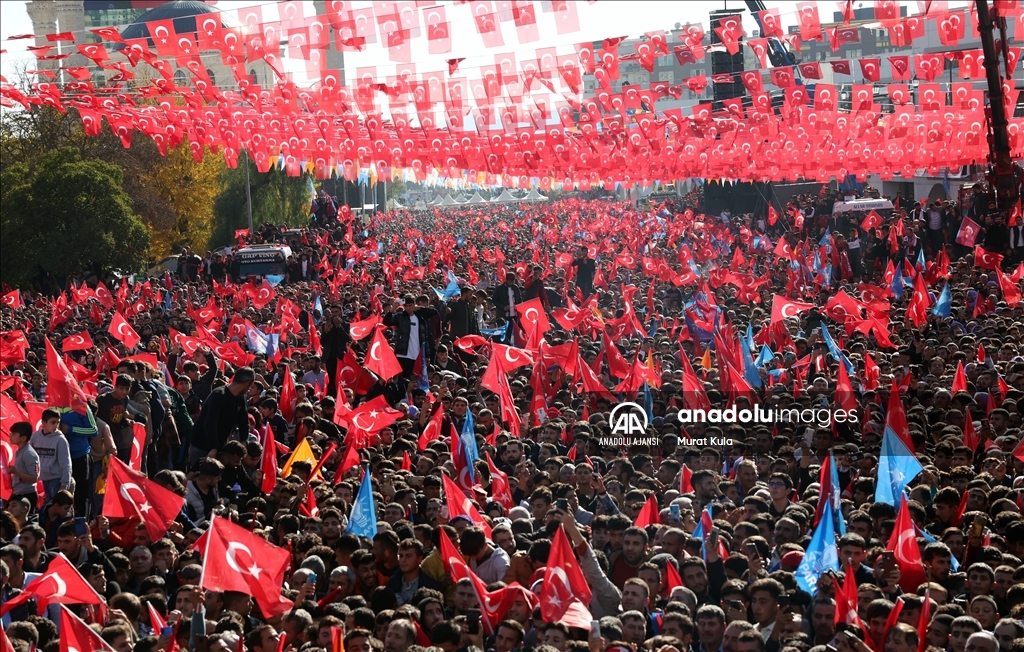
(565,591)
(807,18)
(1011,293)
(268,465)
(77,342)
(349,461)
(138,445)
(380,358)
(263,295)
(60,584)
(432,432)
(501,490)
(130,494)
(686,480)
(373,416)
(871,69)
(531,313)
(648,514)
(12,299)
(288,396)
(360,329)
(122,331)
(235,559)
(76,635)
(62,390)
(987,259)
(460,505)
(783,308)
(903,543)
(968,233)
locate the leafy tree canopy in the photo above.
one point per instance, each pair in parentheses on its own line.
(64,216)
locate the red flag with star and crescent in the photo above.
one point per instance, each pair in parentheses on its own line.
(565,592)
(123,332)
(76,635)
(235,559)
(60,584)
(784,308)
(903,543)
(132,495)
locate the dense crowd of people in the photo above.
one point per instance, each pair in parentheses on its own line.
(417,423)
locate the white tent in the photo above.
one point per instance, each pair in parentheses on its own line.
(448,201)
(476,199)
(437,201)
(504,197)
(535,196)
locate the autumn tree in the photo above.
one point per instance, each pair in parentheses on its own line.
(189,189)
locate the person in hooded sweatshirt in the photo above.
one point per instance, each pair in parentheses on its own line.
(54,454)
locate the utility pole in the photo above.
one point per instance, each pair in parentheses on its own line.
(1005,174)
(248,191)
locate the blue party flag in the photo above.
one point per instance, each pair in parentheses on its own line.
(836,352)
(363,520)
(944,303)
(467,440)
(897,285)
(822,553)
(764,357)
(897,466)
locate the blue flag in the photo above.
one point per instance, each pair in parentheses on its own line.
(764,357)
(836,352)
(749,368)
(836,498)
(467,440)
(423,380)
(897,466)
(648,403)
(930,539)
(495,332)
(318,307)
(274,280)
(822,553)
(260,342)
(452,290)
(363,520)
(167,302)
(944,303)
(897,285)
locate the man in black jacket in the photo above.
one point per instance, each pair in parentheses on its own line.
(335,339)
(507,296)
(412,332)
(222,413)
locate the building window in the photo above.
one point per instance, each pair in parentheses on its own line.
(669,77)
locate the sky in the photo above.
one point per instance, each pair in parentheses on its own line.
(603,19)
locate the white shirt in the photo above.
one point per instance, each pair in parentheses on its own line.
(511,300)
(413,351)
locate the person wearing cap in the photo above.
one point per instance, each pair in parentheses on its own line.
(223,413)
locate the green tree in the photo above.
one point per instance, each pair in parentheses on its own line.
(276,198)
(396,190)
(65,216)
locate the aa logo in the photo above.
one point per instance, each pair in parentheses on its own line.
(628,419)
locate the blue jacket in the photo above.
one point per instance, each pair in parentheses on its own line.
(81,430)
